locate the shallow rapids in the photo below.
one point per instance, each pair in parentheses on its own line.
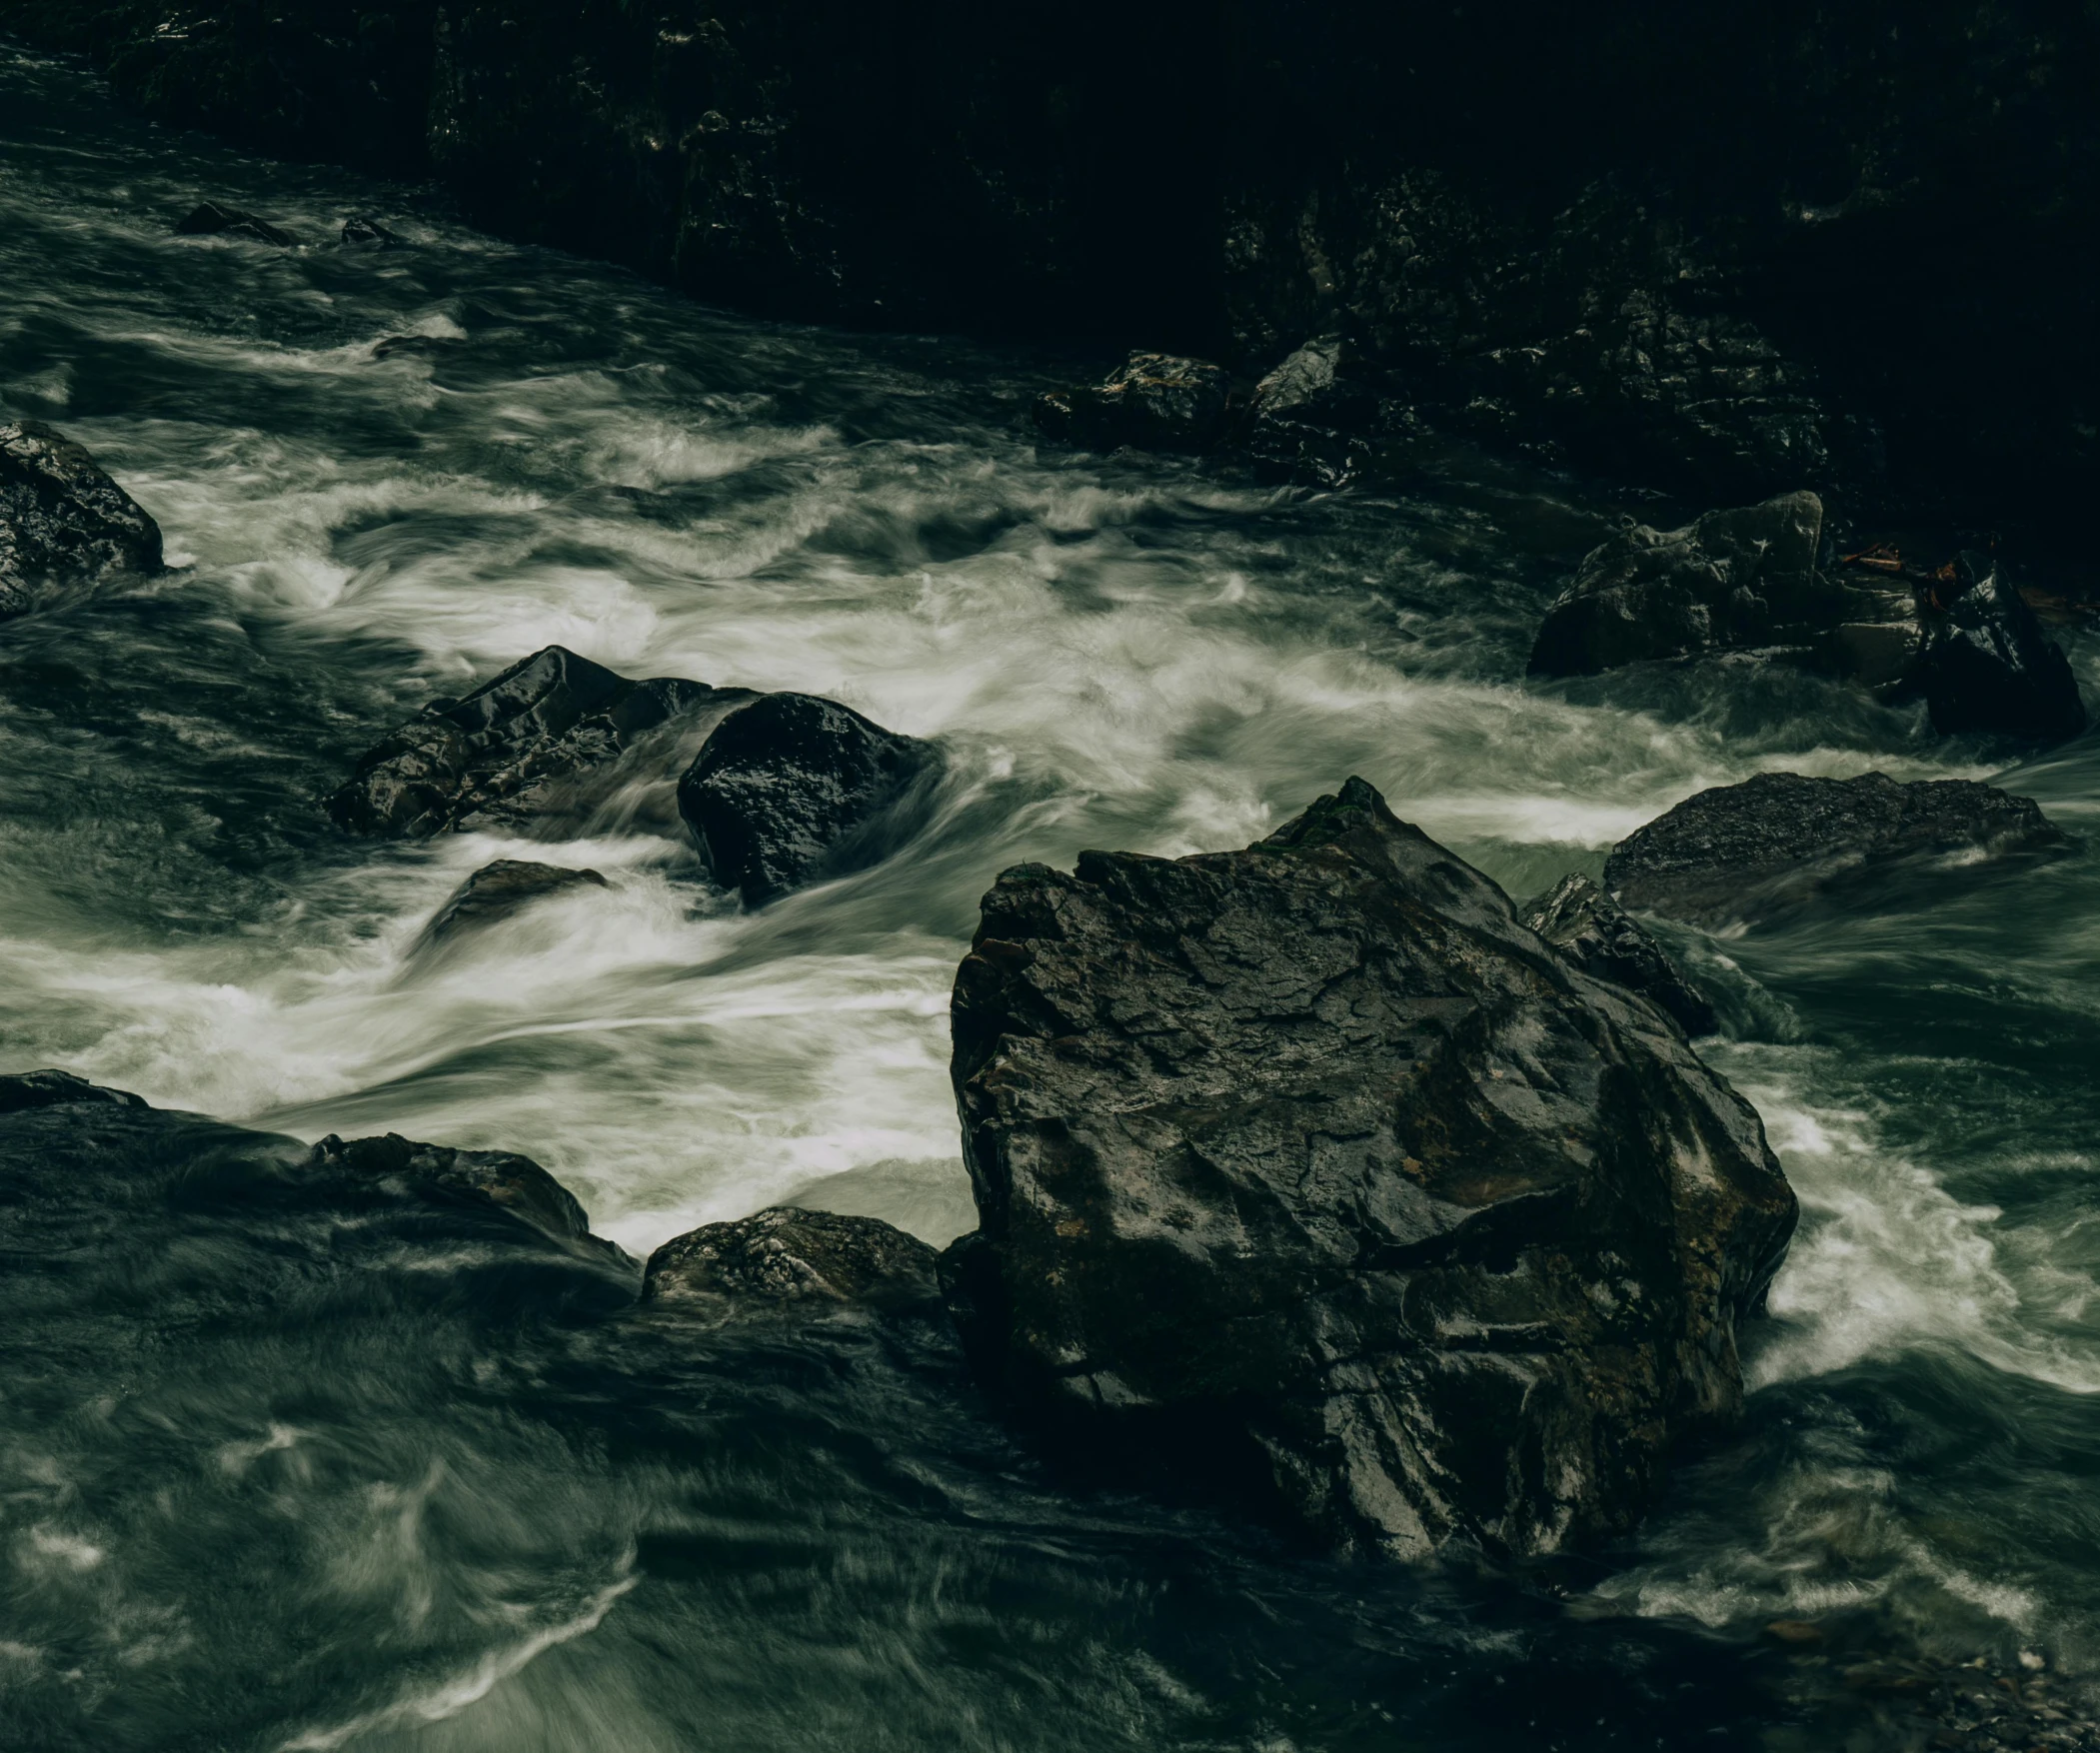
(426,1521)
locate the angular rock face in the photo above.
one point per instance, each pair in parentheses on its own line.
(1736,579)
(791,788)
(1595,933)
(1986,663)
(1152,401)
(209,219)
(498,891)
(1310,1163)
(62,518)
(515,1185)
(493,757)
(783,1255)
(1740,854)
(1307,419)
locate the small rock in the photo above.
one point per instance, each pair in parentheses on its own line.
(1595,933)
(515,1185)
(1307,418)
(1795,1631)
(496,756)
(786,1255)
(498,891)
(209,219)
(62,518)
(793,787)
(366,232)
(28,1090)
(1733,581)
(1778,841)
(1986,665)
(1153,401)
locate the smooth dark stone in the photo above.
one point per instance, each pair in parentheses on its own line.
(506,749)
(1986,665)
(499,891)
(1307,418)
(1152,402)
(1310,1167)
(1765,848)
(364,232)
(788,1256)
(62,518)
(29,1089)
(1733,581)
(209,219)
(515,1185)
(792,788)
(1595,933)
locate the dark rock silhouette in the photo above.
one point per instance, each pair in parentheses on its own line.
(33,1089)
(1984,663)
(499,891)
(364,232)
(209,219)
(1595,933)
(1775,843)
(1152,401)
(499,753)
(1311,1166)
(785,1255)
(1309,420)
(792,788)
(62,518)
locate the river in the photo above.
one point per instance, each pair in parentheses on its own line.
(235,1531)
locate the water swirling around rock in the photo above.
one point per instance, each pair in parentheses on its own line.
(309,1483)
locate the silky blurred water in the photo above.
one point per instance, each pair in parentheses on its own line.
(1129,651)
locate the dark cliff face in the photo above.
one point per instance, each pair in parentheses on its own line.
(1834,246)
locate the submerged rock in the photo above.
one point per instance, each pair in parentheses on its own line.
(1733,581)
(515,1185)
(1986,665)
(1307,418)
(1740,854)
(209,219)
(792,788)
(498,891)
(367,232)
(62,518)
(1595,933)
(495,755)
(1152,401)
(786,1255)
(1311,1165)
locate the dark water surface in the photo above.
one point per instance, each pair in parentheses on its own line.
(278,1475)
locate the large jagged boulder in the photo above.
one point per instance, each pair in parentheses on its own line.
(501,889)
(1599,936)
(62,518)
(1984,663)
(1152,401)
(1309,419)
(1310,1164)
(498,756)
(1733,581)
(792,788)
(1774,843)
(783,1255)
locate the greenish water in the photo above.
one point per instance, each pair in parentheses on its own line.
(308,1480)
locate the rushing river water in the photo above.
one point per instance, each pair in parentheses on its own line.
(250,1503)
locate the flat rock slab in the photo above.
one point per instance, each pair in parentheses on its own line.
(786,1255)
(501,889)
(1774,843)
(209,219)
(1310,1167)
(62,518)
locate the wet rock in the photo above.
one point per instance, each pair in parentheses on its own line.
(515,1185)
(209,219)
(62,518)
(1309,419)
(497,754)
(1152,401)
(1595,933)
(783,1255)
(30,1089)
(1311,1166)
(1778,841)
(1733,581)
(497,891)
(366,232)
(792,788)
(1986,665)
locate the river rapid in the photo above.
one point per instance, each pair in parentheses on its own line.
(436,1509)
